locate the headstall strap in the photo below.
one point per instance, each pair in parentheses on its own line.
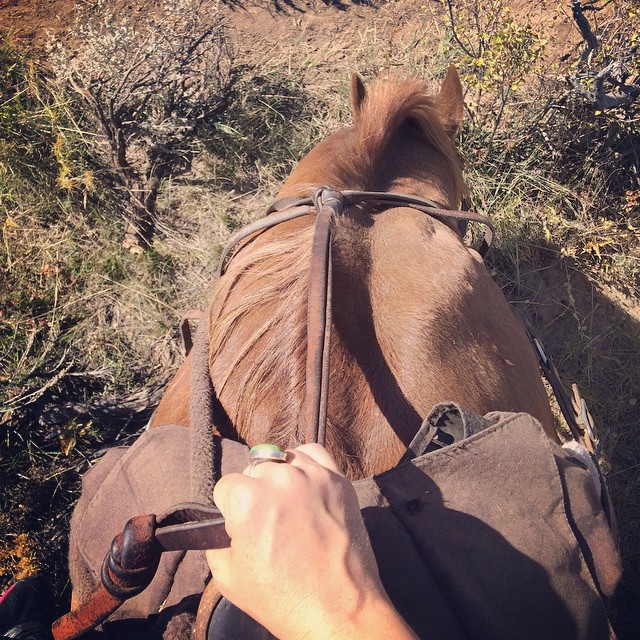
(289,208)
(327,203)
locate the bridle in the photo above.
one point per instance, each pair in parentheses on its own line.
(291,207)
(327,204)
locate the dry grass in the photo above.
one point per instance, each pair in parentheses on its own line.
(18,557)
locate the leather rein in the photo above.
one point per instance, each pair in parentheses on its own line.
(327,203)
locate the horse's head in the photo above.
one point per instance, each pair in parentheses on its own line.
(402,140)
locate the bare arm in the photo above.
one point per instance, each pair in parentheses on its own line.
(300,560)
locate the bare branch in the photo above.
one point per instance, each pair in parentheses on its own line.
(454,31)
(623,95)
(149,86)
(606,88)
(584,26)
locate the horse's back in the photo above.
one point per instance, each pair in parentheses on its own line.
(425,321)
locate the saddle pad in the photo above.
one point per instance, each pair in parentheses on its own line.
(498,536)
(481,538)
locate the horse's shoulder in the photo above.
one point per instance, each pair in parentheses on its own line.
(174,406)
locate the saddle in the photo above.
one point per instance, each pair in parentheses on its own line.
(485,529)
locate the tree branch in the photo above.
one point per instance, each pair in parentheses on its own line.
(584,26)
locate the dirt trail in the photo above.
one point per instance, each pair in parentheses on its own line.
(318,34)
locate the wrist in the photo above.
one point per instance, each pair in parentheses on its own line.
(374,618)
(377,620)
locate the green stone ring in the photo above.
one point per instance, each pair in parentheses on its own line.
(267,453)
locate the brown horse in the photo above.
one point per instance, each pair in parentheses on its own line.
(416,317)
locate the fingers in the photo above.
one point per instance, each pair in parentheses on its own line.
(234,491)
(295,528)
(219,561)
(312,453)
(304,457)
(241,497)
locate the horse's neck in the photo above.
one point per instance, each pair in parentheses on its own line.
(422,322)
(417,321)
(390,278)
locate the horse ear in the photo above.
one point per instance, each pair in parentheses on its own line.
(450,102)
(358,92)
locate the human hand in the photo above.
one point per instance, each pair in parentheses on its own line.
(300,561)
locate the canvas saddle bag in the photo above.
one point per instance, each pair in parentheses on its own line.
(485,529)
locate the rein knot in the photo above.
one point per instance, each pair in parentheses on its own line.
(329,198)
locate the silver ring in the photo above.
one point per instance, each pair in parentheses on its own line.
(265,453)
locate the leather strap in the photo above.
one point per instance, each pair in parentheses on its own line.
(192,526)
(551,374)
(127,570)
(132,561)
(576,415)
(258,226)
(288,208)
(92,612)
(328,203)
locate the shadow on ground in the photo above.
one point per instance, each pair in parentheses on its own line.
(595,343)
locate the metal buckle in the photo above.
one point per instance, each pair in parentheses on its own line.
(540,349)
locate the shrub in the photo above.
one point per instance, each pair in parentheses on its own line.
(148,83)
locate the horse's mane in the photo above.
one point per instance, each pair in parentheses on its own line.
(277,344)
(273,357)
